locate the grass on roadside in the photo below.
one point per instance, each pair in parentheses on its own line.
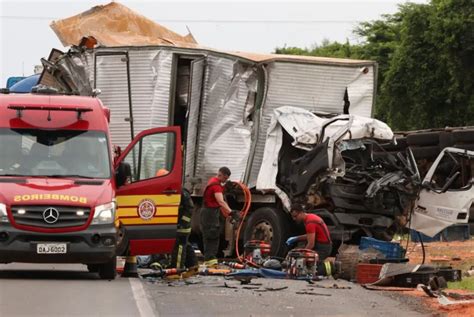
(467,284)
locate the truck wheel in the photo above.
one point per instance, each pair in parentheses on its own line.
(93,268)
(108,270)
(269,225)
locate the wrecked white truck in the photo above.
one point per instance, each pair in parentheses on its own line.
(225,104)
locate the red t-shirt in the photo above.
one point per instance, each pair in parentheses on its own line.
(314,224)
(213,186)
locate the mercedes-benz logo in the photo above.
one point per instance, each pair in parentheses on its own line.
(51,215)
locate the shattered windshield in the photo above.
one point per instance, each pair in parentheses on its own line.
(54,153)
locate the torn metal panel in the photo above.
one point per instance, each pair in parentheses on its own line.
(360,91)
(68,72)
(328,162)
(447,195)
(316,88)
(308,130)
(217,79)
(225,130)
(194,106)
(387,180)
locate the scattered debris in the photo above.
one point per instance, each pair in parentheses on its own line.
(427,290)
(312,293)
(459,296)
(251,287)
(386,288)
(228,286)
(443,300)
(334,286)
(273,289)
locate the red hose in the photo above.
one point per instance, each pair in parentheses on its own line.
(244,212)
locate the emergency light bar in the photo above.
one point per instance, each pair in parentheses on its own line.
(20,108)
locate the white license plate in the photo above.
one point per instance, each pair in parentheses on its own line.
(51,248)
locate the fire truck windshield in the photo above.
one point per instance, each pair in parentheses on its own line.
(54,153)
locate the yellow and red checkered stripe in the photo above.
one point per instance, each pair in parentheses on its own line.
(166,209)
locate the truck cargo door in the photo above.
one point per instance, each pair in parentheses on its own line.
(112,77)
(447,192)
(194,102)
(148,202)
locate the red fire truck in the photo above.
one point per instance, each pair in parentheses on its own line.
(65,197)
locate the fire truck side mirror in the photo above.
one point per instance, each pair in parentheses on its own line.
(123,174)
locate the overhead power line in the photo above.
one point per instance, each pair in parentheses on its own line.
(17,17)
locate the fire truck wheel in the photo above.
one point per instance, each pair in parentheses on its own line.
(108,270)
(269,225)
(122,242)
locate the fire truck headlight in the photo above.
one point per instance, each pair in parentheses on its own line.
(3,213)
(104,214)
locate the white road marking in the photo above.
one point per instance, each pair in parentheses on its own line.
(143,304)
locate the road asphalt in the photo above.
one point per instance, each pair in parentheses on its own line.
(69,290)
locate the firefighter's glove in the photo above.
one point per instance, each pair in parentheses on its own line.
(291,241)
(234,216)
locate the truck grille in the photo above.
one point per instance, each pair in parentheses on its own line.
(50,216)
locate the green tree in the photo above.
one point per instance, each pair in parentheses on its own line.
(425,54)
(429,82)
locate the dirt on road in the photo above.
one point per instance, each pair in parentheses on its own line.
(457,254)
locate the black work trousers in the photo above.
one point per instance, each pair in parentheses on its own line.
(183,253)
(210,228)
(323,250)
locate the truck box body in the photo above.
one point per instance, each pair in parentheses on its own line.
(230,96)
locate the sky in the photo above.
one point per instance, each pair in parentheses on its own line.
(253,26)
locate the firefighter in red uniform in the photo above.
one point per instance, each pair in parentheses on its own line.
(214,203)
(317,234)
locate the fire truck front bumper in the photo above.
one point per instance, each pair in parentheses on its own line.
(95,245)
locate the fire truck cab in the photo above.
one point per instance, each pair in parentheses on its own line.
(65,197)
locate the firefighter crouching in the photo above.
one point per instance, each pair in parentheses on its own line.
(317,234)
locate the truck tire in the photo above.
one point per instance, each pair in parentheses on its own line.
(270,225)
(423,139)
(108,270)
